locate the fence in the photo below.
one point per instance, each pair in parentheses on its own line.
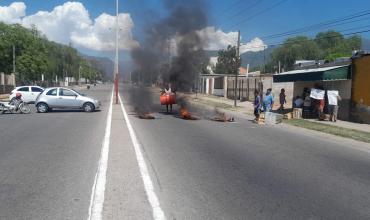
(245,89)
(7,83)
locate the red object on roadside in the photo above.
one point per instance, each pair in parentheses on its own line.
(167,99)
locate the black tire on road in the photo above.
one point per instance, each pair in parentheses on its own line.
(42,107)
(88,107)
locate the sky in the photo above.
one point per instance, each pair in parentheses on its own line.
(89,24)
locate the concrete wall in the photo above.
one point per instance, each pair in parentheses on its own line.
(360,108)
(7,83)
(343,86)
(289,89)
(218,92)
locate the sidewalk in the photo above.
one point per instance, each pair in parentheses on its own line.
(223,103)
(246,108)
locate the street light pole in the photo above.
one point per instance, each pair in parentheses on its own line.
(79,75)
(237,70)
(13,59)
(116,60)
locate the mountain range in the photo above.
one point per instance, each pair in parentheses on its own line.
(254,59)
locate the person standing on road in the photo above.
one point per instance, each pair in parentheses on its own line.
(333,99)
(168,91)
(282,99)
(257,105)
(268,101)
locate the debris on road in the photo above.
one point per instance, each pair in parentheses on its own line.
(186,115)
(147,115)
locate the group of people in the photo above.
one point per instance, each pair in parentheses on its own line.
(316,106)
(264,104)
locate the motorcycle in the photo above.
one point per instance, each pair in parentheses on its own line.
(14,107)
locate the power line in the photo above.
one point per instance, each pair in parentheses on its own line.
(231,7)
(331,26)
(329,23)
(244,9)
(259,13)
(300,41)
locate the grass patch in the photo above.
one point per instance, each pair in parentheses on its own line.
(331,129)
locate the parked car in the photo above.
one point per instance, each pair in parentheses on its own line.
(63,98)
(29,93)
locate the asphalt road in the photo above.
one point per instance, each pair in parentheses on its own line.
(211,170)
(200,169)
(48,161)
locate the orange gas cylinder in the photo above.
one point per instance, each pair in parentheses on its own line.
(167,99)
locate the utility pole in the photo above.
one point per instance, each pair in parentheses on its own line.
(13,59)
(79,75)
(279,67)
(237,70)
(169,53)
(264,58)
(116,80)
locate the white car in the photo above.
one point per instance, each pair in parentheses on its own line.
(64,98)
(29,93)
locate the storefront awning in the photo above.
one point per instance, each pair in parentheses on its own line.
(318,74)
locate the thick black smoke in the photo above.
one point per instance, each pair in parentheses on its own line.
(180,27)
(155,64)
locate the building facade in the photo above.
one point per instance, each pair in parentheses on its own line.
(360,97)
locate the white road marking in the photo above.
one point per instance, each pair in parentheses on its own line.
(158,213)
(98,189)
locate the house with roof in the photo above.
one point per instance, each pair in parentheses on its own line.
(350,77)
(360,97)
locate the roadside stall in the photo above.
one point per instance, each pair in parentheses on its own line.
(336,78)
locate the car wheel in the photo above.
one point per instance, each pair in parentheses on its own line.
(42,107)
(88,107)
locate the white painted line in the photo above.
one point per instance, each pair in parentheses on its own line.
(158,213)
(98,189)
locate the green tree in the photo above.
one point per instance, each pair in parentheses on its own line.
(333,45)
(293,49)
(329,40)
(228,62)
(36,55)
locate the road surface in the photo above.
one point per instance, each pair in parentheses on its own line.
(200,169)
(212,170)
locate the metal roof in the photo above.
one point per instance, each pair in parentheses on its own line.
(317,74)
(311,70)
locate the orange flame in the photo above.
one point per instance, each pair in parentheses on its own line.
(185,114)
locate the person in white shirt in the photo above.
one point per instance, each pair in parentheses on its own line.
(333,99)
(298,103)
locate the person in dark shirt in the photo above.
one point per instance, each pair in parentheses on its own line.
(257,105)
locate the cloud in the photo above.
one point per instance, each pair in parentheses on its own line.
(71,23)
(13,13)
(101,35)
(216,39)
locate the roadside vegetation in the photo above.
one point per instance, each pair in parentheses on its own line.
(36,55)
(327,46)
(331,129)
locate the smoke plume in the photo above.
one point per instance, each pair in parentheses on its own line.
(172,51)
